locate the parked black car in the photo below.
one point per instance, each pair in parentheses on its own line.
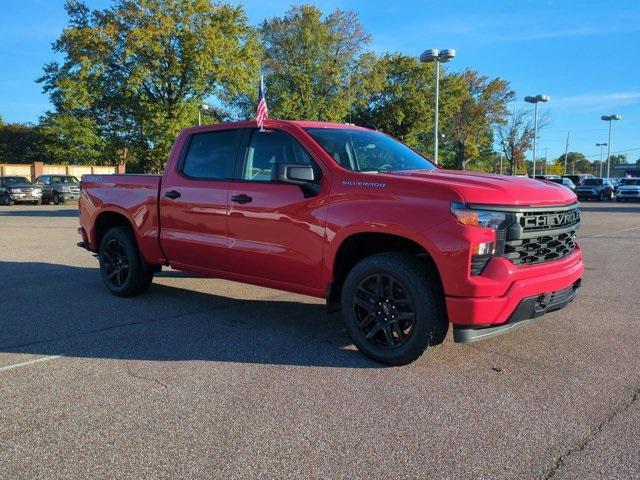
(595,188)
(564,182)
(59,188)
(19,189)
(578,178)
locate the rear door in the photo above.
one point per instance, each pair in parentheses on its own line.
(276,229)
(193,201)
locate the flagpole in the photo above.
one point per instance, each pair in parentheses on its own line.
(262,94)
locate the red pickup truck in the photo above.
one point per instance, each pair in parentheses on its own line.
(348,214)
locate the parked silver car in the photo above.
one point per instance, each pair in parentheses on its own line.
(629,189)
(59,188)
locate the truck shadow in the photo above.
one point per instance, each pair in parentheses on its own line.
(70,212)
(53,309)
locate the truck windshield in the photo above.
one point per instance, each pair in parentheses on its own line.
(368,151)
(64,180)
(15,180)
(631,181)
(593,181)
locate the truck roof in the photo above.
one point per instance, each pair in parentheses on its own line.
(271,123)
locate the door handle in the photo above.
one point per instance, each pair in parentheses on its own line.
(172,194)
(241,198)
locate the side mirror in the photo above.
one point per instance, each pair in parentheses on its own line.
(297,174)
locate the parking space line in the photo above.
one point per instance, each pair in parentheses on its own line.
(29,362)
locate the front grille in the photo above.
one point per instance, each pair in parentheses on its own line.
(540,249)
(536,221)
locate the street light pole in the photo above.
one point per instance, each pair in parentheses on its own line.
(609,118)
(204,106)
(437,56)
(601,145)
(535,100)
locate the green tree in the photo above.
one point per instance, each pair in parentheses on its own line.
(315,66)
(577,162)
(71,140)
(480,107)
(141,68)
(19,143)
(401,100)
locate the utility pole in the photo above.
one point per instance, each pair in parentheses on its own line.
(566,153)
(546,149)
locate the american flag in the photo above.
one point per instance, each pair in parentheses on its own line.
(262,112)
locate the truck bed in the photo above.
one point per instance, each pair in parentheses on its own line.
(133,196)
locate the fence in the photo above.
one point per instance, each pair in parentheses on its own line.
(35,169)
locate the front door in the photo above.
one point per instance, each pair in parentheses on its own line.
(276,230)
(193,201)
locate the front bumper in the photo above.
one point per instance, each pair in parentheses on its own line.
(529,309)
(25,197)
(70,196)
(519,284)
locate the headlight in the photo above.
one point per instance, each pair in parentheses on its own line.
(37,191)
(477,218)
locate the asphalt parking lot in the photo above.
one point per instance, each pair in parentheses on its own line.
(204,378)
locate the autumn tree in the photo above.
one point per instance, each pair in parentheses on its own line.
(315,66)
(141,68)
(479,109)
(515,137)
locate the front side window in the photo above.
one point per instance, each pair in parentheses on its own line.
(267,151)
(368,151)
(212,155)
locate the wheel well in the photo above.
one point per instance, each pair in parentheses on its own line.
(108,220)
(361,245)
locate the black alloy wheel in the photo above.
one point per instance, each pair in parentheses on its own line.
(116,263)
(393,307)
(123,269)
(384,310)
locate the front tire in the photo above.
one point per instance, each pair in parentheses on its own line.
(393,308)
(57,199)
(6,200)
(122,267)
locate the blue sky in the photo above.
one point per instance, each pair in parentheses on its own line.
(584,54)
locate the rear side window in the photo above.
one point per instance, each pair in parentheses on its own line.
(211,155)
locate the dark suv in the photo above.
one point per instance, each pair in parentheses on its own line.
(59,188)
(596,188)
(18,189)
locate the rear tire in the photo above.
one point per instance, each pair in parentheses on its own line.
(6,200)
(393,308)
(122,267)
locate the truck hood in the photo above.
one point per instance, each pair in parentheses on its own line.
(23,185)
(490,189)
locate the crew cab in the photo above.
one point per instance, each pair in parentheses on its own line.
(401,247)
